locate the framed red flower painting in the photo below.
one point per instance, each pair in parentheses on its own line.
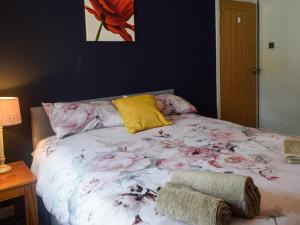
(109,20)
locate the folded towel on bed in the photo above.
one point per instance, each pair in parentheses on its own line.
(292,146)
(239,192)
(181,203)
(292,160)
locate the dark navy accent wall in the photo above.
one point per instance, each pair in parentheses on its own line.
(44,57)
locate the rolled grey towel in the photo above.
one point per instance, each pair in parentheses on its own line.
(195,208)
(239,192)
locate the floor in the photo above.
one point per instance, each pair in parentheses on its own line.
(12,221)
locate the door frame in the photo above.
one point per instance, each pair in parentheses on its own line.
(218,56)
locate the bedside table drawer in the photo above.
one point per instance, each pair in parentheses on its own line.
(12,193)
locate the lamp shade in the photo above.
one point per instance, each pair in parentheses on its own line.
(9,111)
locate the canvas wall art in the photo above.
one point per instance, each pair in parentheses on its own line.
(109,20)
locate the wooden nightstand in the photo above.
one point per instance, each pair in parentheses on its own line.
(20,182)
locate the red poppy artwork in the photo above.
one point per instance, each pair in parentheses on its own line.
(109,20)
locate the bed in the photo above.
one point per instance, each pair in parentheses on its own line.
(109,177)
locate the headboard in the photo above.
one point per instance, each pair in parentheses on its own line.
(40,124)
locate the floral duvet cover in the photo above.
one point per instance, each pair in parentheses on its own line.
(109,177)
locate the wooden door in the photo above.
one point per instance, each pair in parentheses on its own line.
(238,76)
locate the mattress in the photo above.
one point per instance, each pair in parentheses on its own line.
(109,177)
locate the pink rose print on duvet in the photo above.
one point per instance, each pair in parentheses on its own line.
(222,136)
(199,153)
(223,148)
(268,174)
(162,134)
(238,160)
(172,143)
(91,186)
(243,163)
(135,196)
(118,161)
(214,162)
(172,164)
(232,161)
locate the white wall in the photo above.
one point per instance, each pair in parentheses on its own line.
(279,81)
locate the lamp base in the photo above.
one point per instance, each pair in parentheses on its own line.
(5,168)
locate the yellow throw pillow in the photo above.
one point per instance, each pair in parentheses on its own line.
(140,113)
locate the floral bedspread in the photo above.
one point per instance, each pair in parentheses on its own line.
(109,177)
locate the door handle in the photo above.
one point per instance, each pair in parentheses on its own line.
(256,71)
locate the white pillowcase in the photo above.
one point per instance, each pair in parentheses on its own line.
(172,104)
(75,117)
(68,118)
(108,114)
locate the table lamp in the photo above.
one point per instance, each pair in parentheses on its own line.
(9,115)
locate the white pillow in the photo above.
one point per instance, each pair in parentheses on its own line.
(172,104)
(75,117)
(108,114)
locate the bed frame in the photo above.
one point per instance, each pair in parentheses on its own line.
(41,128)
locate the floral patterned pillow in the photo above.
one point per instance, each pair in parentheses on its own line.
(74,117)
(172,104)
(108,114)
